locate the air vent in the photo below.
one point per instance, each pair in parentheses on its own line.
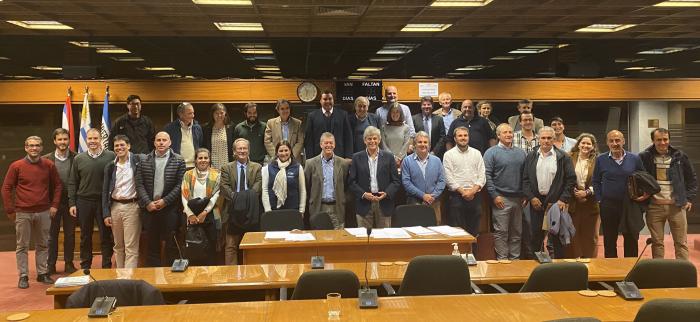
(336,11)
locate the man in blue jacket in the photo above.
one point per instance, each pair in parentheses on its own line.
(676,177)
(185,134)
(423,176)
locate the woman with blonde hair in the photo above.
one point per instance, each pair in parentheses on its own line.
(583,208)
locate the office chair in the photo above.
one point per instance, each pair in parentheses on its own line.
(676,310)
(413,215)
(281,220)
(435,275)
(664,273)
(127,292)
(321,221)
(555,277)
(317,283)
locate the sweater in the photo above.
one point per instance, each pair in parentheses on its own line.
(86,176)
(140,132)
(610,178)
(504,170)
(31,182)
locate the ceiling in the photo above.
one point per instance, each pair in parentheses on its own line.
(325,39)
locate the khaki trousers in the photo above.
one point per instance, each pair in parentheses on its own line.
(126,228)
(374,218)
(337,219)
(36,226)
(657,215)
(231,244)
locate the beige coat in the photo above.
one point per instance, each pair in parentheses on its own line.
(313,171)
(273,135)
(229,178)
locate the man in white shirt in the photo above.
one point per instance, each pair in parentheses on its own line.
(465,175)
(392,96)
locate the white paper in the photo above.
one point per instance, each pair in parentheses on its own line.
(390,233)
(276,234)
(357,232)
(449,231)
(420,230)
(70,281)
(427,89)
(300,237)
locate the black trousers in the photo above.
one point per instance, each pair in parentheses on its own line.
(162,226)
(89,212)
(62,216)
(465,214)
(212,238)
(610,213)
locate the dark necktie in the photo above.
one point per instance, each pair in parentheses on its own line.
(241,180)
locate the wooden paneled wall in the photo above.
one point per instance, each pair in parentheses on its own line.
(54,91)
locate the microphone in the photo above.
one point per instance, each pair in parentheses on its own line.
(318,262)
(626,288)
(180,264)
(102,306)
(368,297)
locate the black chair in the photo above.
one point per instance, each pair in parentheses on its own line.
(281,220)
(676,310)
(664,273)
(554,277)
(436,275)
(413,215)
(127,292)
(321,221)
(317,283)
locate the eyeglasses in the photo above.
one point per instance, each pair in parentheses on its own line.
(32,145)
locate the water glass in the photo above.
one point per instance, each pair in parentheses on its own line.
(333,302)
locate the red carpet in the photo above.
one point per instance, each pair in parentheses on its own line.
(34,298)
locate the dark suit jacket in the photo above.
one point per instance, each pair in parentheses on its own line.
(110,178)
(437,129)
(358,141)
(173,129)
(206,139)
(388,181)
(562,185)
(339,127)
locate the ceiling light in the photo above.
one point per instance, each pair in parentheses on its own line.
(640,68)
(157,69)
(259,57)
(127,59)
(528,51)
(254,48)
(426,27)
(547,73)
(628,60)
(40,24)
(357,76)
(255,51)
(20,76)
(272,77)
(239,26)
(384,59)
(4,58)
(474,67)
(114,50)
(506,57)
(369,69)
(169,76)
(421,77)
(656,70)
(47,68)
(666,50)
(90,44)
(397,49)
(224,2)
(679,3)
(271,71)
(460,3)
(267,68)
(604,28)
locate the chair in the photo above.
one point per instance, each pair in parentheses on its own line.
(436,275)
(317,283)
(664,273)
(676,310)
(127,292)
(413,215)
(555,277)
(321,221)
(281,220)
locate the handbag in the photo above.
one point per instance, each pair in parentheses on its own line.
(196,243)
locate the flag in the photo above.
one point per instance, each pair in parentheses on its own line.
(67,121)
(84,123)
(104,131)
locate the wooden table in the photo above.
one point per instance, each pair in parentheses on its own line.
(491,307)
(340,246)
(262,282)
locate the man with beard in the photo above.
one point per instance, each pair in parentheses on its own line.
(431,123)
(137,127)
(254,131)
(328,119)
(480,135)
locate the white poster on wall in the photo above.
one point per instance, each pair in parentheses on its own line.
(427,89)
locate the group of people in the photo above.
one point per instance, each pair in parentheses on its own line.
(220,177)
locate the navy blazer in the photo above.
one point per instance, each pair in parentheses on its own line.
(110,174)
(340,128)
(387,181)
(173,129)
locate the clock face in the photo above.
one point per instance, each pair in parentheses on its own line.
(307,92)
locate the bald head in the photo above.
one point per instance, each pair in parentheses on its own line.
(162,142)
(616,142)
(391,94)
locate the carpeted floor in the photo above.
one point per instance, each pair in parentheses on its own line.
(34,298)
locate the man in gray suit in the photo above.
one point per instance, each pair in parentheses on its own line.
(524,105)
(430,123)
(327,174)
(237,176)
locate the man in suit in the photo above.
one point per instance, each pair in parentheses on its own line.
(525,105)
(360,121)
(158,182)
(423,176)
(284,128)
(237,176)
(328,119)
(431,124)
(374,180)
(326,176)
(185,134)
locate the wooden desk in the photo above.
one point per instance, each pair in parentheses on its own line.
(340,246)
(258,282)
(491,307)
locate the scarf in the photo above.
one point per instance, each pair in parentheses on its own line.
(279,186)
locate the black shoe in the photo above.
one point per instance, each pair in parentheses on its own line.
(52,269)
(44,278)
(23,282)
(70,268)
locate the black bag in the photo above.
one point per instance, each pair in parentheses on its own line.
(196,243)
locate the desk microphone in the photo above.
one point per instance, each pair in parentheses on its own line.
(180,264)
(103,305)
(368,297)
(317,262)
(542,256)
(626,288)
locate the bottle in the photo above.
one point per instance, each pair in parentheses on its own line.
(455,250)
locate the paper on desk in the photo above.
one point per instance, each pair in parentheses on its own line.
(390,233)
(70,281)
(299,237)
(449,231)
(420,230)
(357,232)
(276,234)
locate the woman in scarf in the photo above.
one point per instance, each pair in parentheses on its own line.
(283,185)
(584,208)
(203,182)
